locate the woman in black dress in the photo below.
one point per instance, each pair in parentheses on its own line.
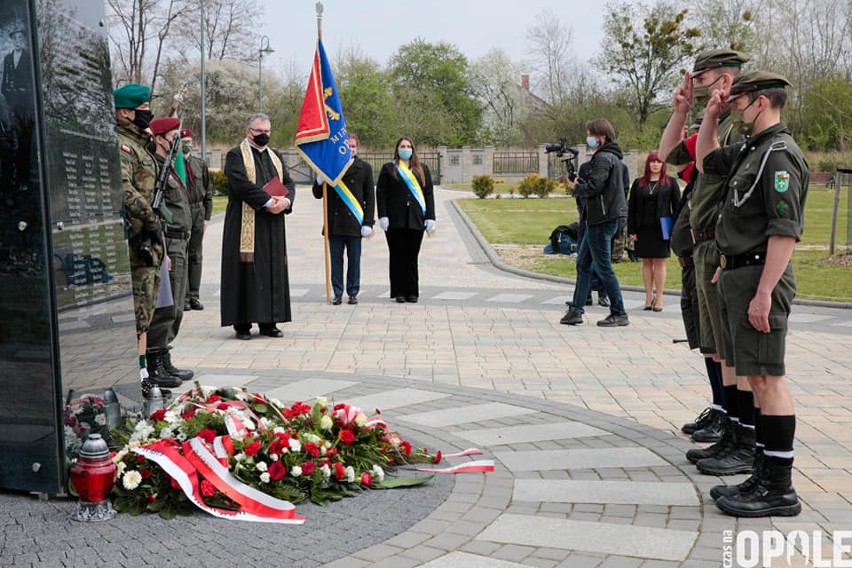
(406,206)
(653,198)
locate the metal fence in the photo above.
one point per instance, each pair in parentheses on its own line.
(515,163)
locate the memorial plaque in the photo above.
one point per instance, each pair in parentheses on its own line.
(66,309)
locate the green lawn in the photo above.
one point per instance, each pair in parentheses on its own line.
(530,221)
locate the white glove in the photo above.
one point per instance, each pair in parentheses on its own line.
(320,179)
(366,231)
(384,223)
(430,224)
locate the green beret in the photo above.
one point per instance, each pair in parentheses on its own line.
(718,58)
(751,81)
(131,96)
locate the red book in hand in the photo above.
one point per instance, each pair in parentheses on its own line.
(275,188)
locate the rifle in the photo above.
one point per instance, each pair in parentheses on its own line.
(163,179)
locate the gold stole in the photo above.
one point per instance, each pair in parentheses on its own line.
(247,222)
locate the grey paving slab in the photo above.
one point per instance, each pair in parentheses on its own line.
(606,492)
(546,460)
(454,296)
(308,389)
(556,300)
(456,559)
(397,398)
(299,292)
(531,433)
(606,538)
(466,414)
(509,298)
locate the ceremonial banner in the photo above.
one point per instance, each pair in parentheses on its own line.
(321,137)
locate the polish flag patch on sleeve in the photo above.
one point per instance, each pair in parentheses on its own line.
(126,149)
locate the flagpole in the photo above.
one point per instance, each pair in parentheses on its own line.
(326,230)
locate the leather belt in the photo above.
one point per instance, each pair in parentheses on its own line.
(732,262)
(685,261)
(707,234)
(172,234)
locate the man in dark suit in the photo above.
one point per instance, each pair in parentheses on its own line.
(17,88)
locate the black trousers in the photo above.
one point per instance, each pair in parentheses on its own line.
(403,249)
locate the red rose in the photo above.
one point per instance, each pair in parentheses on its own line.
(252,448)
(339,470)
(406,448)
(214,398)
(438,457)
(275,447)
(312,449)
(223,407)
(145,473)
(207,435)
(140,458)
(338,406)
(188,414)
(331,452)
(347,437)
(366,479)
(276,471)
(151,498)
(158,415)
(308,468)
(207,488)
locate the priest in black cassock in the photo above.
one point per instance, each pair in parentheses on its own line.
(255,284)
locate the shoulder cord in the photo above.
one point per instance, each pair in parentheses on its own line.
(776,146)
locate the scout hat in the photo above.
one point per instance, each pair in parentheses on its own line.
(163,124)
(131,96)
(716,58)
(186,133)
(752,81)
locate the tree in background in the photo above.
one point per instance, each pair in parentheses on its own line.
(827,113)
(365,96)
(646,47)
(495,81)
(434,97)
(727,24)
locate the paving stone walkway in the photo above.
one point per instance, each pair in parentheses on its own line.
(582,423)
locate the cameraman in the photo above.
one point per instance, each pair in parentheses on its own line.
(603,193)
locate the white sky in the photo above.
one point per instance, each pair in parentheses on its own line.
(380,27)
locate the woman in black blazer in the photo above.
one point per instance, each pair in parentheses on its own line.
(406,207)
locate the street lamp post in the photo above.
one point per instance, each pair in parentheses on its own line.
(264,48)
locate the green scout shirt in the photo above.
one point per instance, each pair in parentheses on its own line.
(176,199)
(138,178)
(765,192)
(704,203)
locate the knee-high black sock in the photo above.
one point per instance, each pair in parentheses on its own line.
(714,374)
(745,406)
(732,402)
(778,433)
(759,430)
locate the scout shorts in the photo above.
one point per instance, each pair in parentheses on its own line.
(706,258)
(749,351)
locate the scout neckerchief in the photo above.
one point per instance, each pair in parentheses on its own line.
(413,185)
(346,195)
(247,222)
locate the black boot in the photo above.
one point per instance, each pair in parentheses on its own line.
(723,445)
(772,496)
(746,486)
(700,422)
(157,373)
(712,431)
(739,459)
(182,374)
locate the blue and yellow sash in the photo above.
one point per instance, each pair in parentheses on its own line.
(413,185)
(351,202)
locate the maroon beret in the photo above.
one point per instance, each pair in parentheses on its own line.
(164,124)
(186,133)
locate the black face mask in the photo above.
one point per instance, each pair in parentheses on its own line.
(143,118)
(261,139)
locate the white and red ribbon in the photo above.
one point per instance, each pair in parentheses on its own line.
(476,466)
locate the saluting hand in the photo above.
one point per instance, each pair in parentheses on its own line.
(715,106)
(682,97)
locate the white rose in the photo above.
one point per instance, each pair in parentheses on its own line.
(278,430)
(295,445)
(131,479)
(171,417)
(322,401)
(273,457)
(119,468)
(326,471)
(296,471)
(264,477)
(276,402)
(360,420)
(378,472)
(350,473)
(326,422)
(100,419)
(239,457)
(261,466)
(266,422)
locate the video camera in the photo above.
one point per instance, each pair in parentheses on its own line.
(570,161)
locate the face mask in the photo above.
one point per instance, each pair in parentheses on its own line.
(261,139)
(701,96)
(405,153)
(592,142)
(743,127)
(187,147)
(143,118)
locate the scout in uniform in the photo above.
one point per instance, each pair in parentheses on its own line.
(760,221)
(733,425)
(145,241)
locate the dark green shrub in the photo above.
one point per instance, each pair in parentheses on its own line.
(218,182)
(482,186)
(534,184)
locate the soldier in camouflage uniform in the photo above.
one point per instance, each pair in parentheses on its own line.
(165,324)
(145,241)
(733,426)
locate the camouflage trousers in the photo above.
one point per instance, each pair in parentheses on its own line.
(619,243)
(145,279)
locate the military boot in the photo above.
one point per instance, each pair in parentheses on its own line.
(739,458)
(700,422)
(772,496)
(746,486)
(727,439)
(157,373)
(182,374)
(712,431)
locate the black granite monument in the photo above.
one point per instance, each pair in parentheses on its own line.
(66,311)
